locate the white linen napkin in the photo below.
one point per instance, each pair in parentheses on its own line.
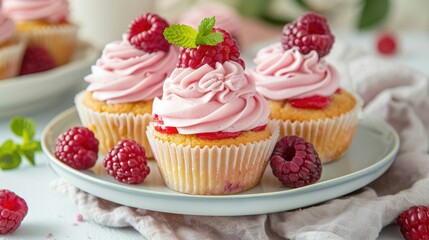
(393,92)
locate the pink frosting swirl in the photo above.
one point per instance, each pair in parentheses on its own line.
(127,74)
(51,11)
(280,74)
(7,28)
(211,99)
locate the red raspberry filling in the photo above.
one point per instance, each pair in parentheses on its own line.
(159,126)
(314,102)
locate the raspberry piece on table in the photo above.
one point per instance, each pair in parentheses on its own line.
(36,59)
(309,32)
(295,162)
(205,54)
(414,223)
(12,211)
(145,33)
(127,163)
(77,147)
(386,44)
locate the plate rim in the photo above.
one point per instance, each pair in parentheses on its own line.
(387,159)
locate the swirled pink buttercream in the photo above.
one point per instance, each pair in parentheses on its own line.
(127,74)
(210,100)
(52,11)
(7,28)
(280,74)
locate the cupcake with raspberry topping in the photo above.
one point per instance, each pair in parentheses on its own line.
(130,73)
(46,26)
(210,134)
(11,47)
(303,89)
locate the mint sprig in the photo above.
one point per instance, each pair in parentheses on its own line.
(187,37)
(11,153)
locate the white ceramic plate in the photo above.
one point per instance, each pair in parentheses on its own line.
(373,150)
(35,91)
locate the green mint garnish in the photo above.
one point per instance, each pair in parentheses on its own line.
(187,37)
(11,153)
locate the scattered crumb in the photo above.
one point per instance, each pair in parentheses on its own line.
(79,218)
(75,224)
(89,237)
(49,235)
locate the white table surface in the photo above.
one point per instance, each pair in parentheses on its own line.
(52,215)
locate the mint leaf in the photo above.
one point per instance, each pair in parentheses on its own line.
(181,35)
(23,127)
(29,155)
(8,147)
(28,151)
(9,157)
(206,26)
(373,12)
(212,40)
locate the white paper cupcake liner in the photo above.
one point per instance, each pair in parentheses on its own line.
(331,137)
(59,40)
(212,170)
(110,128)
(11,58)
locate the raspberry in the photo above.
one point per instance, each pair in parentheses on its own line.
(295,162)
(309,32)
(414,223)
(12,211)
(126,162)
(145,33)
(77,147)
(386,44)
(36,59)
(204,54)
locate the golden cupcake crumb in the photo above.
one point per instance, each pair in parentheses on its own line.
(340,103)
(140,107)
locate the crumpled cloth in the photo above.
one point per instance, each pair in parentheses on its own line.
(395,93)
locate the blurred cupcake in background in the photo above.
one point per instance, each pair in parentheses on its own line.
(11,47)
(226,17)
(51,37)
(124,81)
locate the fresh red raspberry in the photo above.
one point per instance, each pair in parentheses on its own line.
(414,223)
(12,211)
(145,33)
(295,162)
(309,32)
(204,54)
(36,59)
(386,44)
(126,162)
(77,147)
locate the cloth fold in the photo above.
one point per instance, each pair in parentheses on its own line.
(395,93)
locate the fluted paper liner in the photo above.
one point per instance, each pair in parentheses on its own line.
(59,40)
(331,137)
(11,58)
(212,170)
(110,128)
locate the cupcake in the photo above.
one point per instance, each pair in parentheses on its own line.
(46,26)
(11,47)
(303,89)
(117,103)
(210,134)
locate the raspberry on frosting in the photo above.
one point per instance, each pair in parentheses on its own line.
(145,33)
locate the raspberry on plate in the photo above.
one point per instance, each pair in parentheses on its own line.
(145,33)
(309,32)
(414,223)
(386,43)
(127,162)
(36,59)
(12,211)
(77,147)
(295,162)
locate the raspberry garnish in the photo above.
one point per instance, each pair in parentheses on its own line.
(36,59)
(386,44)
(12,211)
(145,33)
(309,32)
(126,162)
(314,102)
(205,54)
(295,162)
(414,223)
(77,147)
